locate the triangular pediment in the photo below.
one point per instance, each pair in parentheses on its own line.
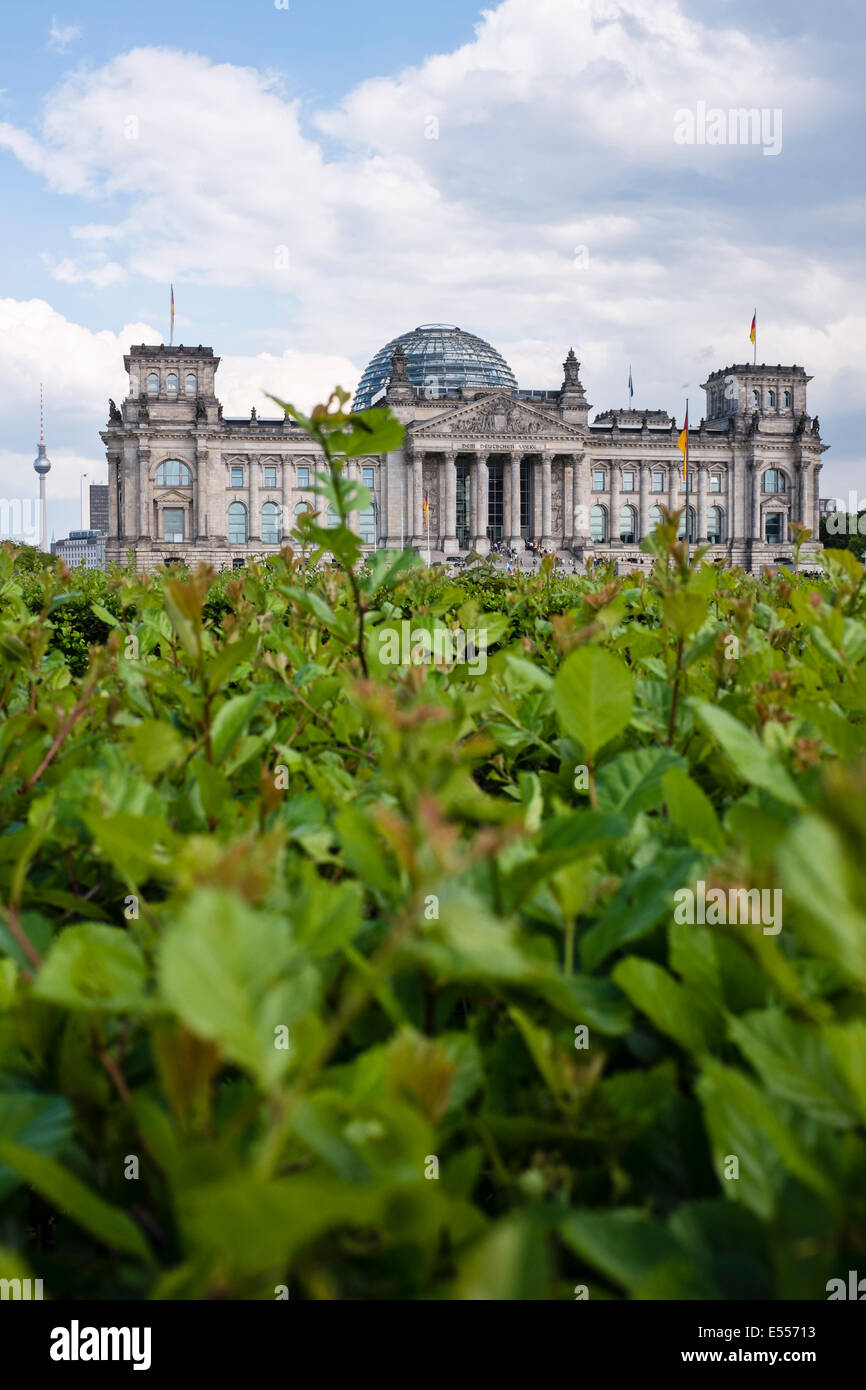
(495,416)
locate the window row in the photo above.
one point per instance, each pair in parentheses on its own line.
(272,523)
(628,524)
(190,383)
(174,473)
(773,480)
(658,481)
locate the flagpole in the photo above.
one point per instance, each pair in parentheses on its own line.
(428,537)
(171,326)
(755,358)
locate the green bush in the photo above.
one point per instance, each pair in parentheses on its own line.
(371,980)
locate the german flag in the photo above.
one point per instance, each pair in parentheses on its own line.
(683,445)
(753,331)
(426,510)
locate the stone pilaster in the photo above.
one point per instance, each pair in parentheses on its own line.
(615,505)
(481,541)
(144,495)
(547,539)
(643,501)
(515,539)
(448,495)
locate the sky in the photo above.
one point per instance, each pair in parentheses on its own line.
(317,176)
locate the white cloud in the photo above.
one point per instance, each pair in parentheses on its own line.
(555,131)
(60,36)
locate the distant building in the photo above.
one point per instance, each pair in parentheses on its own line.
(82,549)
(99,507)
(482,462)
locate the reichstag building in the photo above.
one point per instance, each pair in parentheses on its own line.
(494,461)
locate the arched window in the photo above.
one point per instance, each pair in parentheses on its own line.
(655,517)
(171,381)
(754,398)
(714,525)
(271,523)
(773,528)
(690,513)
(786,399)
(153,383)
(771,398)
(774,480)
(172,473)
(191,383)
(303,508)
(597,527)
(628,525)
(237,523)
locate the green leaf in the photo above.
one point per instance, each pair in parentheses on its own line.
(39,1122)
(673,1008)
(96,968)
(691,811)
(815,874)
(593,693)
(625,1245)
(749,757)
(795,1062)
(234,976)
(632,781)
(230,722)
(741,1123)
(73,1199)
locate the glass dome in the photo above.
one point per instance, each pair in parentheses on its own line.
(441,359)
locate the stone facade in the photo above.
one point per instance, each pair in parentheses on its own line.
(495,464)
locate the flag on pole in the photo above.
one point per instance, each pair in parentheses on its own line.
(753,331)
(171,333)
(683,443)
(426,510)
(630,386)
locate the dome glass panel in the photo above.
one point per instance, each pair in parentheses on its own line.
(441,360)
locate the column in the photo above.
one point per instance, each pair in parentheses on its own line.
(536,494)
(547,502)
(417,511)
(515,539)
(756,501)
(114,528)
(474,528)
(506,495)
(582,505)
(643,500)
(448,497)
(615,504)
(144,500)
(701,514)
(254,521)
(481,541)
(567,508)
(287,520)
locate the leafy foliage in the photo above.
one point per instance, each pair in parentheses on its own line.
(285,927)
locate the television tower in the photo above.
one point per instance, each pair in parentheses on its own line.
(42,465)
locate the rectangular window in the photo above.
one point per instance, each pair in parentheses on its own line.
(598,481)
(172,522)
(368,477)
(658,482)
(715,482)
(237,475)
(303,477)
(270,477)
(628,482)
